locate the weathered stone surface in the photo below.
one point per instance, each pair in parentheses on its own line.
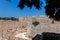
(10,28)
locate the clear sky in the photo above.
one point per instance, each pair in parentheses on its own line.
(10,9)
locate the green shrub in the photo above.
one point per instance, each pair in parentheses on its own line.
(9,18)
(35,23)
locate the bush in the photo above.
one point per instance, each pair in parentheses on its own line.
(47,36)
(35,23)
(50,36)
(11,18)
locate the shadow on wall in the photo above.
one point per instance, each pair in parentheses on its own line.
(47,36)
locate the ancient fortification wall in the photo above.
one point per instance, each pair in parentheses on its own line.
(10,28)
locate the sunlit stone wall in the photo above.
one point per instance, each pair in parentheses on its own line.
(10,28)
(45,25)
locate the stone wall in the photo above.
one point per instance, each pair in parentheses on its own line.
(45,25)
(10,28)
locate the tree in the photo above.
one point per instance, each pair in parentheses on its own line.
(57,16)
(29,3)
(52,9)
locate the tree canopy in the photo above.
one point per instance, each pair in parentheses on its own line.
(52,9)
(30,3)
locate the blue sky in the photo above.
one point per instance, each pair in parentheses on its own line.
(10,9)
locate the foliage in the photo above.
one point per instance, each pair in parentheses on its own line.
(29,3)
(52,9)
(35,23)
(47,36)
(6,18)
(50,36)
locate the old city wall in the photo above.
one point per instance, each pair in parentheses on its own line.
(45,25)
(8,27)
